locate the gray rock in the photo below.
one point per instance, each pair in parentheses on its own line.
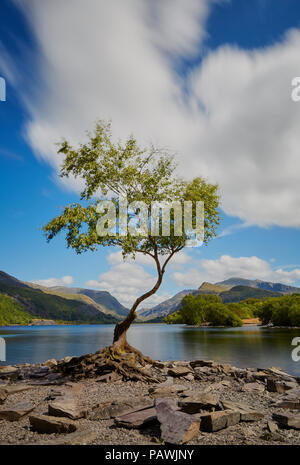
(287,420)
(121,407)
(280,387)
(218,420)
(197,402)
(137,420)
(16,412)
(292,404)
(49,425)
(68,408)
(166,390)
(176,427)
(203,363)
(179,371)
(247,413)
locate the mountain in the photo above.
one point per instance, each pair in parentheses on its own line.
(8,280)
(258,284)
(239,293)
(213,288)
(103,298)
(225,290)
(166,307)
(37,303)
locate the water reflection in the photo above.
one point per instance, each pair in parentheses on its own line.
(242,347)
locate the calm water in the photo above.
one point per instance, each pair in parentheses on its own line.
(249,346)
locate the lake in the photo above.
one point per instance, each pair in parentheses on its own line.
(248,346)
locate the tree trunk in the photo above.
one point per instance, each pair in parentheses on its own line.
(120,332)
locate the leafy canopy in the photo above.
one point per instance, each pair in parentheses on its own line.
(114,170)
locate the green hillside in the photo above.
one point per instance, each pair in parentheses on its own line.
(61,292)
(47,306)
(12,313)
(239,293)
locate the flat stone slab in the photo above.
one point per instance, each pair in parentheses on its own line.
(78,438)
(121,407)
(137,420)
(166,390)
(16,412)
(291,404)
(16,388)
(195,403)
(280,387)
(176,427)
(203,363)
(48,425)
(247,412)
(8,371)
(216,421)
(68,408)
(179,371)
(287,420)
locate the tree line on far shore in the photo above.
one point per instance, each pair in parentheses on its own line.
(210,310)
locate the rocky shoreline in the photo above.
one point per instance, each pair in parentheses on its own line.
(197,402)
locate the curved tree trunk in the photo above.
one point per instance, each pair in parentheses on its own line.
(120,332)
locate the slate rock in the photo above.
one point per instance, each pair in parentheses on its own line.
(198,401)
(287,420)
(137,420)
(179,371)
(121,407)
(218,420)
(16,412)
(48,425)
(68,408)
(176,427)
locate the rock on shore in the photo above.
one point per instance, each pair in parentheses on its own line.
(197,402)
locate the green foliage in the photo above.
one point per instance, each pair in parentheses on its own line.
(204,309)
(248,308)
(174,318)
(11,312)
(282,311)
(126,170)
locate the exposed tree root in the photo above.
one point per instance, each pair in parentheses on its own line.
(127,361)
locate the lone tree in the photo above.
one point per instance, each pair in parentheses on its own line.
(113,170)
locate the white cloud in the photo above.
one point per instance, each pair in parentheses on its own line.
(227,267)
(234,123)
(126,282)
(52,282)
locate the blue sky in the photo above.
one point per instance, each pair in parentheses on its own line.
(210,80)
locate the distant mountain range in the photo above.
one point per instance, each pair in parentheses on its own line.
(256,283)
(87,305)
(230,290)
(60,303)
